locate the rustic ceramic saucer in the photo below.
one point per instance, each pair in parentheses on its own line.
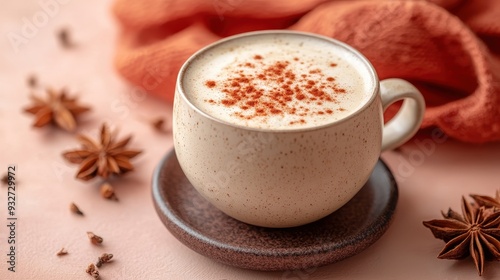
(208,231)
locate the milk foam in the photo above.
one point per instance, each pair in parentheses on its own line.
(213,79)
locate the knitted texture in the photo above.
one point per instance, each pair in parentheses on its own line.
(449,49)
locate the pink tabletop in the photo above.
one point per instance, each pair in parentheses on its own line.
(432,172)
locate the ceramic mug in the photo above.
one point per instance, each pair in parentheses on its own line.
(288,174)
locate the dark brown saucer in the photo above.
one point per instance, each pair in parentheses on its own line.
(208,231)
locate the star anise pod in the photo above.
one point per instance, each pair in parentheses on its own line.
(58,108)
(471,233)
(488,201)
(102,158)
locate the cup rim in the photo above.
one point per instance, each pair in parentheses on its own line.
(180,88)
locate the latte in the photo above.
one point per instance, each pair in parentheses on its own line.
(277,81)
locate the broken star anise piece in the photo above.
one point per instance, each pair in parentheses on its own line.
(472,233)
(58,108)
(92,271)
(108,192)
(102,158)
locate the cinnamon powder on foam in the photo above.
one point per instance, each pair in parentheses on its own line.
(284,92)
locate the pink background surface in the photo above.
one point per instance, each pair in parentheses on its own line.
(431,176)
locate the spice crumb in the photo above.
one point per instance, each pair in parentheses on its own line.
(62,252)
(5,179)
(64,38)
(92,271)
(398,150)
(108,192)
(73,208)
(95,239)
(32,81)
(104,258)
(159,124)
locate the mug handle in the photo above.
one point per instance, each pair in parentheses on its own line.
(409,117)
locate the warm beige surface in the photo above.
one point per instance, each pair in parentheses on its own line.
(430,179)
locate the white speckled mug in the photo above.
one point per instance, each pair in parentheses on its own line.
(282,128)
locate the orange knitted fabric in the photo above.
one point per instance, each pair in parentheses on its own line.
(450,49)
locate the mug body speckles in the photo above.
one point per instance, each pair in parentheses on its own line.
(275,176)
(277,179)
